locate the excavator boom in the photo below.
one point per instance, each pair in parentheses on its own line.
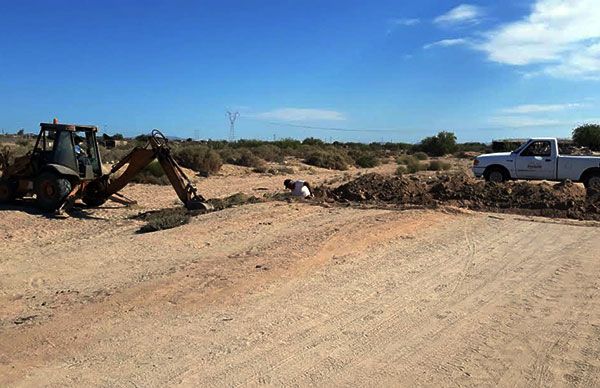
(140,157)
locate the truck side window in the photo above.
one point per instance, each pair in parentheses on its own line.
(538,148)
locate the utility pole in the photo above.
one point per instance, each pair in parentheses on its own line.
(232,117)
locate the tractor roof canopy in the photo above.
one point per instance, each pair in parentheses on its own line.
(67,127)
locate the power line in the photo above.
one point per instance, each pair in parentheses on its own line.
(340,129)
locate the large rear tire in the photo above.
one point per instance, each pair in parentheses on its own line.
(51,190)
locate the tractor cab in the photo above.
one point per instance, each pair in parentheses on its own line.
(70,149)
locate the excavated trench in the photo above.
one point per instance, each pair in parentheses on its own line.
(559,200)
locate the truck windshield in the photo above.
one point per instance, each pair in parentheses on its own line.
(520,148)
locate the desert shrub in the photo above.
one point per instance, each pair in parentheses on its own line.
(229,155)
(248,159)
(367,161)
(280,170)
(165,219)
(287,143)
(421,155)
(465,154)
(113,155)
(233,200)
(364,159)
(152,174)
(401,170)
(415,166)
(438,165)
(330,158)
(587,135)
(405,159)
(269,152)
(473,147)
(439,145)
(313,141)
(199,158)
(22,142)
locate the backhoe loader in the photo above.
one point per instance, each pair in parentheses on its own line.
(65,166)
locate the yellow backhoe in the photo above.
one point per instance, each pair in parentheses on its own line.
(65,165)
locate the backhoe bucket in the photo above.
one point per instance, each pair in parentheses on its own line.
(197,204)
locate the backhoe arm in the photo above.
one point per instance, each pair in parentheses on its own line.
(137,160)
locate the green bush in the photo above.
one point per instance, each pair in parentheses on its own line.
(405,159)
(415,167)
(438,165)
(199,158)
(248,159)
(421,155)
(364,159)
(587,135)
(439,145)
(313,141)
(229,155)
(269,152)
(113,155)
(409,163)
(330,158)
(152,174)
(473,147)
(401,170)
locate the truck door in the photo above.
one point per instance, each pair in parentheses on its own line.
(536,161)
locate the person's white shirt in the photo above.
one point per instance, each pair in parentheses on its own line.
(300,190)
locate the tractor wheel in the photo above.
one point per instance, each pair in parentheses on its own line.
(92,195)
(93,202)
(8,191)
(51,190)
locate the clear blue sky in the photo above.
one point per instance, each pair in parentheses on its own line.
(400,69)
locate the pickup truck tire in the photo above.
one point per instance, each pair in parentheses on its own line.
(593,181)
(495,174)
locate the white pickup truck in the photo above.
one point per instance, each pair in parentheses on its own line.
(538,159)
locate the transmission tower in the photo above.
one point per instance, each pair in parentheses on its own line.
(232,117)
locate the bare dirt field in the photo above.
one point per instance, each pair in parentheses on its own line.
(292,293)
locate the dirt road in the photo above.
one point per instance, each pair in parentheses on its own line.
(292,294)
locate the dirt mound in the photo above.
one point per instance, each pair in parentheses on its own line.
(565,199)
(376,187)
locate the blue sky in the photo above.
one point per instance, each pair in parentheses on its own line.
(375,70)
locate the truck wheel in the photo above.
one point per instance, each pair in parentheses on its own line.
(495,175)
(51,190)
(8,191)
(593,182)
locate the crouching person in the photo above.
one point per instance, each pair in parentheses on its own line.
(299,188)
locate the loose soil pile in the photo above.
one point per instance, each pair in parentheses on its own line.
(563,200)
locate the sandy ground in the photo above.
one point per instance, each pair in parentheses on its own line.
(282,293)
